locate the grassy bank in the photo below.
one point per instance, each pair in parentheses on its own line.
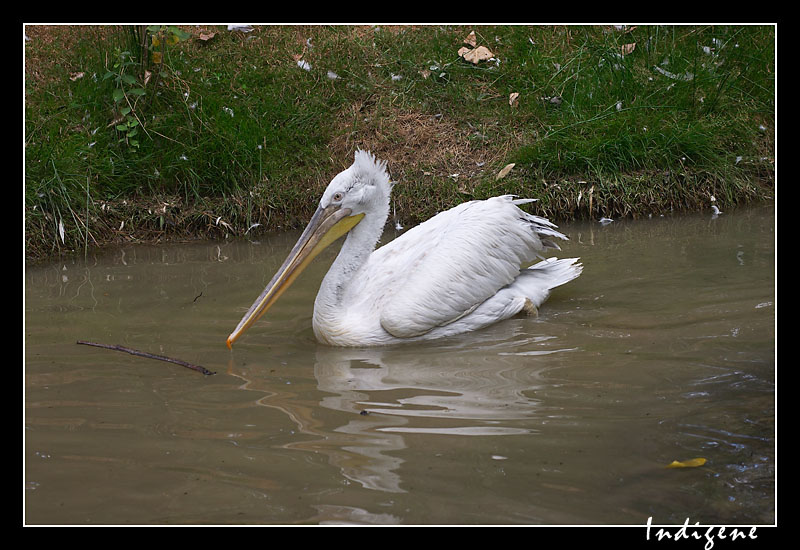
(144,134)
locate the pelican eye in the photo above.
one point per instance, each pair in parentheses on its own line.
(337,197)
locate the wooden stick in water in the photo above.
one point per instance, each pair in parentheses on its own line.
(198,368)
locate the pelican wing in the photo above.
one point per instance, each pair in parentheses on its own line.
(446,267)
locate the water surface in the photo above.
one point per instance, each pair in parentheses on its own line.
(664,349)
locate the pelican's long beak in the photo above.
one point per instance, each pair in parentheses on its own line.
(326,225)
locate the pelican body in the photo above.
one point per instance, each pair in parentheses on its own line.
(459,271)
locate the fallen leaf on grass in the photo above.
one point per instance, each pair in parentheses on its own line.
(75,76)
(471,39)
(512,98)
(504,172)
(206,36)
(628,48)
(691,463)
(481,53)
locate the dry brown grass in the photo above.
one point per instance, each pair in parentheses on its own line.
(409,141)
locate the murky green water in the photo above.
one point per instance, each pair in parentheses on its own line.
(664,349)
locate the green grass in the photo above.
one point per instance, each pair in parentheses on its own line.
(231,132)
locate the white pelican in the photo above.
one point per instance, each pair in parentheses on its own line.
(459,271)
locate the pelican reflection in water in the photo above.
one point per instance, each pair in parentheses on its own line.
(459,271)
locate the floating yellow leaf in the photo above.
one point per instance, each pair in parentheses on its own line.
(691,463)
(504,172)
